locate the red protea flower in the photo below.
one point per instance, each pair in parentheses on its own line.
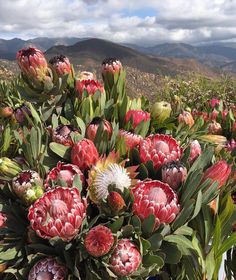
(187,118)
(48,269)
(174,173)
(160,149)
(195,150)
(62,134)
(84,154)
(6,112)
(214,102)
(219,172)
(58,213)
(157,198)
(92,128)
(32,63)
(61,64)
(136,117)
(115,201)
(111,65)
(65,172)
(131,140)
(125,259)
(198,114)
(213,115)
(214,128)
(90,86)
(98,241)
(3,219)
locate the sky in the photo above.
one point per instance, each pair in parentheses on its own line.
(142,22)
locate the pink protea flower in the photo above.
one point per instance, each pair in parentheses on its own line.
(231,145)
(58,213)
(195,150)
(136,117)
(92,128)
(32,63)
(111,65)
(214,114)
(157,198)
(187,118)
(174,173)
(61,64)
(48,269)
(85,75)
(214,102)
(160,149)
(62,134)
(98,241)
(90,86)
(125,259)
(131,140)
(65,172)
(219,172)
(214,128)
(3,219)
(84,154)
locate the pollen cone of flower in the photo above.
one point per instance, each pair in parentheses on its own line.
(186,118)
(62,65)
(219,172)
(48,269)
(130,139)
(84,154)
(99,241)
(9,167)
(62,134)
(92,128)
(174,174)
(125,258)
(65,172)
(161,111)
(157,198)
(89,86)
(6,112)
(195,150)
(111,70)
(160,149)
(136,117)
(214,128)
(58,213)
(28,186)
(21,112)
(32,63)
(85,75)
(115,201)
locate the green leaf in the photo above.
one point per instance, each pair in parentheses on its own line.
(116,225)
(148,224)
(149,260)
(155,241)
(60,150)
(172,252)
(227,244)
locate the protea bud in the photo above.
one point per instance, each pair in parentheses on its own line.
(219,172)
(89,86)
(61,64)
(98,241)
(111,69)
(195,150)
(48,269)
(3,219)
(85,75)
(62,134)
(65,172)
(174,173)
(131,140)
(32,63)
(161,111)
(115,201)
(125,259)
(28,186)
(214,114)
(215,128)
(20,113)
(186,118)
(9,167)
(214,102)
(92,128)
(6,112)
(136,117)
(84,154)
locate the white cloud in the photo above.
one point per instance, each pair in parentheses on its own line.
(134,21)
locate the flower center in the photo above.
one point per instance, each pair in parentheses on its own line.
(65,130)
(124,257)
(162,146)
(157,195)
(24,177)
(44,276)
(58,208)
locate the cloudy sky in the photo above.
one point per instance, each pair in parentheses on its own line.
(145,22)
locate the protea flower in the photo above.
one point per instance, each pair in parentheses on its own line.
(58,213)
(213,115)
(231,145)
(9,167)
(186,118)
(32,63)
(115,201)
(20,112)
(85,75)
(61,64)
(198,114)
(90,86)
(157,198)
(84,154)
(161,111)
(98,241)
(215,128)
(92,128)
(160,149)
(136,117)
(48,269)
(111,65)
(195,150)
(214,102)
(125,259)
(62,134)
(6,112)
(28,186)
(131,140)
(65,172)
(3,219)
(174,173)
(219,172)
